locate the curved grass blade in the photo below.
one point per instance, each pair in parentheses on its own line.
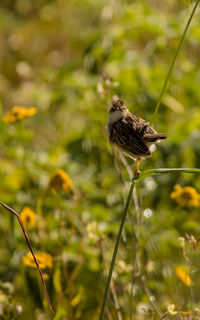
(174,60)
(30,247)
(159,171)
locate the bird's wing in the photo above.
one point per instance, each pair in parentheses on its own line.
(127,137)
(144,127)
(154,137)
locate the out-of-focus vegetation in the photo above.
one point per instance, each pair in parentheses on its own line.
(67,59)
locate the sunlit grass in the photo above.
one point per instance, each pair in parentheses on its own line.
(67,59)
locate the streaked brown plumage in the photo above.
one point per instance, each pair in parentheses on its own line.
(133,135)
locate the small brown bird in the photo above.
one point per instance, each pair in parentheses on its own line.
(131,134)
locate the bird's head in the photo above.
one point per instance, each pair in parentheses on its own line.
(117,105)
(117,110)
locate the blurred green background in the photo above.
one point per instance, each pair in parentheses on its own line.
(67,59)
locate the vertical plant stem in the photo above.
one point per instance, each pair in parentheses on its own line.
(108,314)
(30,247)
(136,260)
(116,250)
(119,315)
(174,60)
(191,288)
(151,297)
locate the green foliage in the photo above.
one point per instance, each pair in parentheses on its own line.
(67,59)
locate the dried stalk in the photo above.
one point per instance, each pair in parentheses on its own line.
(30,247)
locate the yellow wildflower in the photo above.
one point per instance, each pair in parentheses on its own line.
(92,230)
(60,181)
(171,309)
(28,217)
(18,113)
(44,259)
(186,197)
(183,276)
(191,314)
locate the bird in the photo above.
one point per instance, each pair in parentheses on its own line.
(131,134)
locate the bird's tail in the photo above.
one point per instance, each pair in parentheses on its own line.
(155,137)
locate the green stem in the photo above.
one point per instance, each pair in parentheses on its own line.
(30,247)
(159,171)
(174,60)
(116,249)
(136,178)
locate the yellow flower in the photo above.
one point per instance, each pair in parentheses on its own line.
(191,314)
(28,217)
(92,230)
(186,197)
(18,113)
(44,259)
(171,309)
(183,276)
(60,181)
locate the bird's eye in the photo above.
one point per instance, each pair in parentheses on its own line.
(112,109)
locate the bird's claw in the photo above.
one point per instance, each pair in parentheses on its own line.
(136,174)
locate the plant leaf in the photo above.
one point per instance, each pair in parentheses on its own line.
(159,171)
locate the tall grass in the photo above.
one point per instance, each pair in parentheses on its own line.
(174,60)
(148,173)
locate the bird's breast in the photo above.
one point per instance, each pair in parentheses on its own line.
(115,116)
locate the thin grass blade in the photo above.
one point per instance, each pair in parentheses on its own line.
(31,249)
(159,171)
(174,60)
